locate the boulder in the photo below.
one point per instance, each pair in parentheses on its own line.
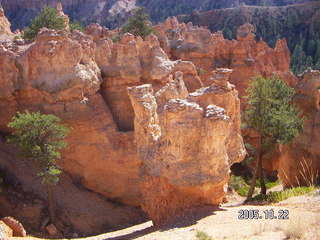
(5,231)
(17,228)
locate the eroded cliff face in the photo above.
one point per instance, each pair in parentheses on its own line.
(186,142)
(177,137)
(4,23)
(299,163)
(209,51)
(57,74)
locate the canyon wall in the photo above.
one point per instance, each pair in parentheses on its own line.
(299,163)
(177,132)
(209,51)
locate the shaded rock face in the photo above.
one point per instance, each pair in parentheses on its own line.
(299,163)
(186,142)
(4,23)
(209,51)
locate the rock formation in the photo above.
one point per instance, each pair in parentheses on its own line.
(209,51)
(17,228)
(177,137)
(5,231)
(4,23)
(64,16)
(299,163)
(186,142)
(130,62)
(57,74)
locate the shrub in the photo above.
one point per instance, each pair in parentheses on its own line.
(202,236)
(75,25)
(138,24)
(48,18)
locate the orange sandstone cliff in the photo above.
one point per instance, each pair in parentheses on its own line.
(299,163)
(186,142)
(175,135)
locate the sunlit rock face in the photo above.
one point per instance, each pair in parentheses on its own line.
(4,23)
(186,142)
(208,51)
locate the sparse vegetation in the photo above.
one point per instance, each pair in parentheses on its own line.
(75,25)
(201,71)
(48,17)
(242,185)
(39,138)
(203,236)
(274,197)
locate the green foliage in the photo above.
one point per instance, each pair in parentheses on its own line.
(48,18)
(274,197)
(201,71)
(239,185)
(75,25)
(39,139)
(138,24)
(269,112)
(17,37)
(203,236)
(116,38)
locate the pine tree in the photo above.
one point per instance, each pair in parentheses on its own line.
(48,18)
(138,24)
(39,139)
(272,117)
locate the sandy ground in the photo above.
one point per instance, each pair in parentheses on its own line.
(223,223)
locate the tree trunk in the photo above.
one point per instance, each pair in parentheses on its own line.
(262,184)
(253,184)
(51,204)
(258,171)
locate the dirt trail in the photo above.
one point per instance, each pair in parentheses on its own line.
(304,218)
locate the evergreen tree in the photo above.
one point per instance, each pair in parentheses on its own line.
(138,24)
(272,117)
(48,18)
(39,138)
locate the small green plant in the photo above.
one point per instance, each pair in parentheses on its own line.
(116,38)
(201,71)
(203,236)
(48,18)
(17,37)
(239,185)
(75,25)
